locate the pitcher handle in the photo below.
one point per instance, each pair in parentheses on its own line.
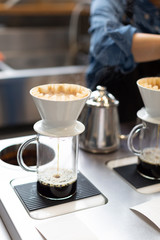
(131,136)
(20,155)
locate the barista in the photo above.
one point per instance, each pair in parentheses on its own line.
(125,46)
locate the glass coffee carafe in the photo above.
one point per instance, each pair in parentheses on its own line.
(57,160)
(147,146)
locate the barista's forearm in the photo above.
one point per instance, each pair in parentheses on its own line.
(146,47)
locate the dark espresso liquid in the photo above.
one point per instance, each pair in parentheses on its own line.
(149,163)
(56,192)
(53,186)
(151,171)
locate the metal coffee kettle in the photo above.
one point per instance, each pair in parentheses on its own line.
(101,120)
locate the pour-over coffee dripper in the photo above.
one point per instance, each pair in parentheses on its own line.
(59,131)
(148,151)
(60,117)
(149,89)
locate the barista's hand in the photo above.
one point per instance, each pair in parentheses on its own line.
(146,47)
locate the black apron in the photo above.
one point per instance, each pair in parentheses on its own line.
(123,86)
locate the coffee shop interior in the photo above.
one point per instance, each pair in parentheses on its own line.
(114,193)
(38,34)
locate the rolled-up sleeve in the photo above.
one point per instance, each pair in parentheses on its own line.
(111,41)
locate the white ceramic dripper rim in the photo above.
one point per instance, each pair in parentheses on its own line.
(143,115)
(72,130)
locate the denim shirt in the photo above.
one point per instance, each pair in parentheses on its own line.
(111,40)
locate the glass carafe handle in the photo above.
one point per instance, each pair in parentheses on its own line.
(132,135)
(20,155)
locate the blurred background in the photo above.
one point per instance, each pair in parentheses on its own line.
(41,41)
(44,33)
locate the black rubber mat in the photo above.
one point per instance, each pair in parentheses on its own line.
(33,201)
(130,174)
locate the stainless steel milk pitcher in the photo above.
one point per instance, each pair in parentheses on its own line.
(101,120)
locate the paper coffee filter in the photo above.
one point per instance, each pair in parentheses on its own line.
(153,83)
(60,92)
